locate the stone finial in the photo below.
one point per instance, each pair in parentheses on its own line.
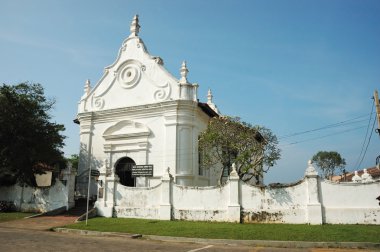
(210,102)
(356,178)
(167,175)
(87,87)
(234,172)
(183,71)
(209,96)
(366,177)
(310,170)
(135,27)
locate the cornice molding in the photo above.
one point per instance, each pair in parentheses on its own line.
(167,108)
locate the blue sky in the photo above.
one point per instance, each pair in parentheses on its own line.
(291,66)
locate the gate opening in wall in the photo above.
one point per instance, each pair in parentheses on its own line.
(123,168)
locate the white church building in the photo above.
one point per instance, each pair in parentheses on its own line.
(140,119)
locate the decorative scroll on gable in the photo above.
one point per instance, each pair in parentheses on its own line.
(136,79)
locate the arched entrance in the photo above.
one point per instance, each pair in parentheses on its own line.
(123,168)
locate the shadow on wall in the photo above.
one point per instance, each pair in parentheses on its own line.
(280,195)
(282,192)
(320,198)
(86,160)
(118,197)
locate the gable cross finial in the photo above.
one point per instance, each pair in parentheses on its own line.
(183,72)
(135,27)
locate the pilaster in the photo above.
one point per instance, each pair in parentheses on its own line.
(166,192)
(170,145)
(234,206)
(109,192)
(314,208)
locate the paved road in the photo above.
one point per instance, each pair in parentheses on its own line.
(33,235)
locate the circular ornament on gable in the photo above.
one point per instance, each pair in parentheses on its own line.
(129,75)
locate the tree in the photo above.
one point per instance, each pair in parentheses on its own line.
(328,162)
(228,140)
(28,140)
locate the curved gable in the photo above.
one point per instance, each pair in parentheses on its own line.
(135,78)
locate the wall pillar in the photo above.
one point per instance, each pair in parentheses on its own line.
(166,192)
(69,175)
(313,208)
(86,133)
(108,202)
(170,144)
(234,206)
(100,203)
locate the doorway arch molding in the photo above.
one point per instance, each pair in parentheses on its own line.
(126,138)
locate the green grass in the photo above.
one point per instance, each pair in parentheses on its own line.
(283,232)
(13,216)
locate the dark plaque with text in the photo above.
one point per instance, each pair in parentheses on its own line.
(142,170)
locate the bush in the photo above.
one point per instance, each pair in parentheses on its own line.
(7,206)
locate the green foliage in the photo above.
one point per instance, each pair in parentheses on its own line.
(228,140)
(220,230)
(28,140)
(328,162)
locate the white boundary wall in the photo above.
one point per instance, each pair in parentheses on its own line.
(282,204)
(200,203)
(350,203)
(42,199)
(308,201)
(137,202)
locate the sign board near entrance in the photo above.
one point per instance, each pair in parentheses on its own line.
(142,170)
(95,173)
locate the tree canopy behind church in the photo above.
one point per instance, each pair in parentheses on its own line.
(29,142)
(228,140)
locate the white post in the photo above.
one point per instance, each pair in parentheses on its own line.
(234,206)
(69,175)
(110,188)
(88,190)
(314,208)
(165,205)
(100,204)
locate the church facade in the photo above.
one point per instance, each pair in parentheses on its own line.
(140,115)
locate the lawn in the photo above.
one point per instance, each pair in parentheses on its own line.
(13,216)
(214,230)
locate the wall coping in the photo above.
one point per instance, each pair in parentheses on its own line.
(329,182)
(139,188)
